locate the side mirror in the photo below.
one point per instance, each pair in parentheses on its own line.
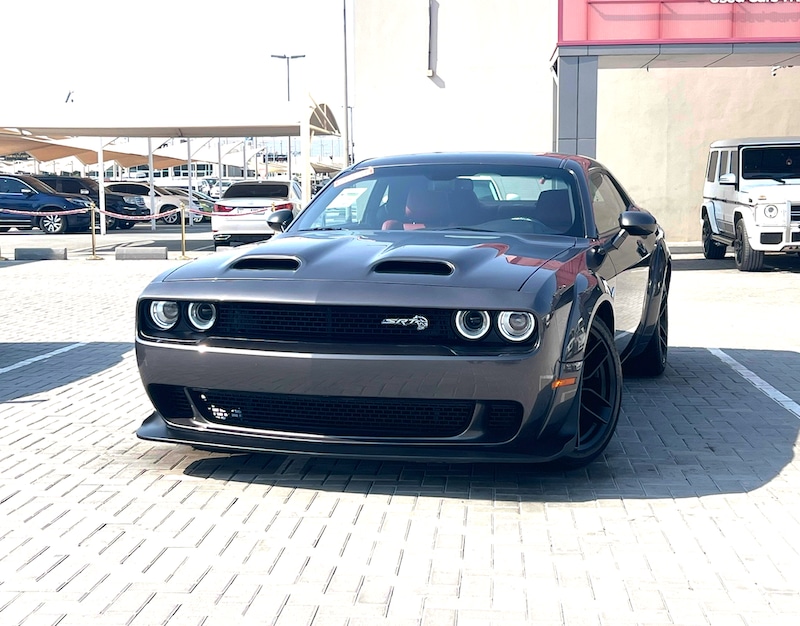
(638,223)
(27,191)
(84,192)
(279,220)
(727,179)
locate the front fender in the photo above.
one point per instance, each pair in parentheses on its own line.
(709,210)
(592,297)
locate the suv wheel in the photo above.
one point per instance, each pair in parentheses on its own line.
(53,224)
(111,223)
(747,259)
(711,248)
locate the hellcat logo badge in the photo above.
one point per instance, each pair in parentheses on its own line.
(418,320)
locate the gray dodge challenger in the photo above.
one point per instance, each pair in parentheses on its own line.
(446,306)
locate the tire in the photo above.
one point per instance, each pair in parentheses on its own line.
(126,225)
(600,397)
(653,360)
(111,223)
(172,218)
(53,224)
(197,218)
(711,248)
(747,259)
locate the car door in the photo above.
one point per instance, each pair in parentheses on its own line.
(631,260)
(728,192)
(17,196)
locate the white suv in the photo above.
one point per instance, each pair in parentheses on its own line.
(751,199)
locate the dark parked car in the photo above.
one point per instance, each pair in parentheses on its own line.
(400,317)
(118,204)
(26,202)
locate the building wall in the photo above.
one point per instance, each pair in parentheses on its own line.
(492,90)
(492,87)
(654,128)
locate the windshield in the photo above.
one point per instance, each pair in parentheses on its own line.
(771,163)
(257,190)
(498,198)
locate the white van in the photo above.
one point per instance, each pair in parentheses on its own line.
(751,199)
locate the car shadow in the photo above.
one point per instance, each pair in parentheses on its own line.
(27,368)
(772,263)
(700,429)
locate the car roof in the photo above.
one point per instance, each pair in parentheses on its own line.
(755,141)
(540,159)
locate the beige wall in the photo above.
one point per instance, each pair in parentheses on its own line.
(654,128)
(493,91)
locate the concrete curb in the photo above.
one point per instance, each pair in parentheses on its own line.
(40,254)
(127,253)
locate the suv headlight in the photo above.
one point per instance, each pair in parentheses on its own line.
(771,211)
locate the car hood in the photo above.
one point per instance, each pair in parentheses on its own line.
(447,259)
(775,193)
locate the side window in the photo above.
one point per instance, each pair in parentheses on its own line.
(12,185)
(70,186)
(711,174)
(607,201)
(723,162)
(734,164)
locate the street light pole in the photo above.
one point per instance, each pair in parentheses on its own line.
(288,58)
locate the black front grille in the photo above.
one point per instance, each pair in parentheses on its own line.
(795,212)
(340,416)
(332,323)
(336,416)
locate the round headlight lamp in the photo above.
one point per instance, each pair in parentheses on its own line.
(202,315)
(164,313)
(770,211)
(472,324)
(516,325)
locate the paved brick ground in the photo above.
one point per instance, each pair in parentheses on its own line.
(692,517)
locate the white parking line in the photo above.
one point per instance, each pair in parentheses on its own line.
(759,383)
(41,357)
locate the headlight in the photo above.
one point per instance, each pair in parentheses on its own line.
(516,325)
(472,324)
(770,211)
(164,313)
(80,202)
(202,315)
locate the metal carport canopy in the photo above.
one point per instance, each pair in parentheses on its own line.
(286,119)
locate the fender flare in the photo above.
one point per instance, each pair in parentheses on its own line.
(707,210)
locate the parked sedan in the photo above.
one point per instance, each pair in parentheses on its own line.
(400,317)
(240,216)
(204,201)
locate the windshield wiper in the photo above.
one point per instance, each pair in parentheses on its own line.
(766,176)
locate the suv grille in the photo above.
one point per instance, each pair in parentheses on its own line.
(795,212)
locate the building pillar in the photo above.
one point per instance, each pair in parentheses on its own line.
(575,105)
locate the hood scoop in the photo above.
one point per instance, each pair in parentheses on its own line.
(427,268)
(290,264)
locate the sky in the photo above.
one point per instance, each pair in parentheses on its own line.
(152,55)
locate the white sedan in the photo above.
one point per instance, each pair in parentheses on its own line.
(240,216)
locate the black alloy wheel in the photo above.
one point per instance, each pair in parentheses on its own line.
(53,224)
(711,248)
(600,397)
(747,259)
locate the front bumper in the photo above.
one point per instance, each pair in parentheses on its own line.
(190,414)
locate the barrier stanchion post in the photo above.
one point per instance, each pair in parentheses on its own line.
(92,228)
(183,256)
